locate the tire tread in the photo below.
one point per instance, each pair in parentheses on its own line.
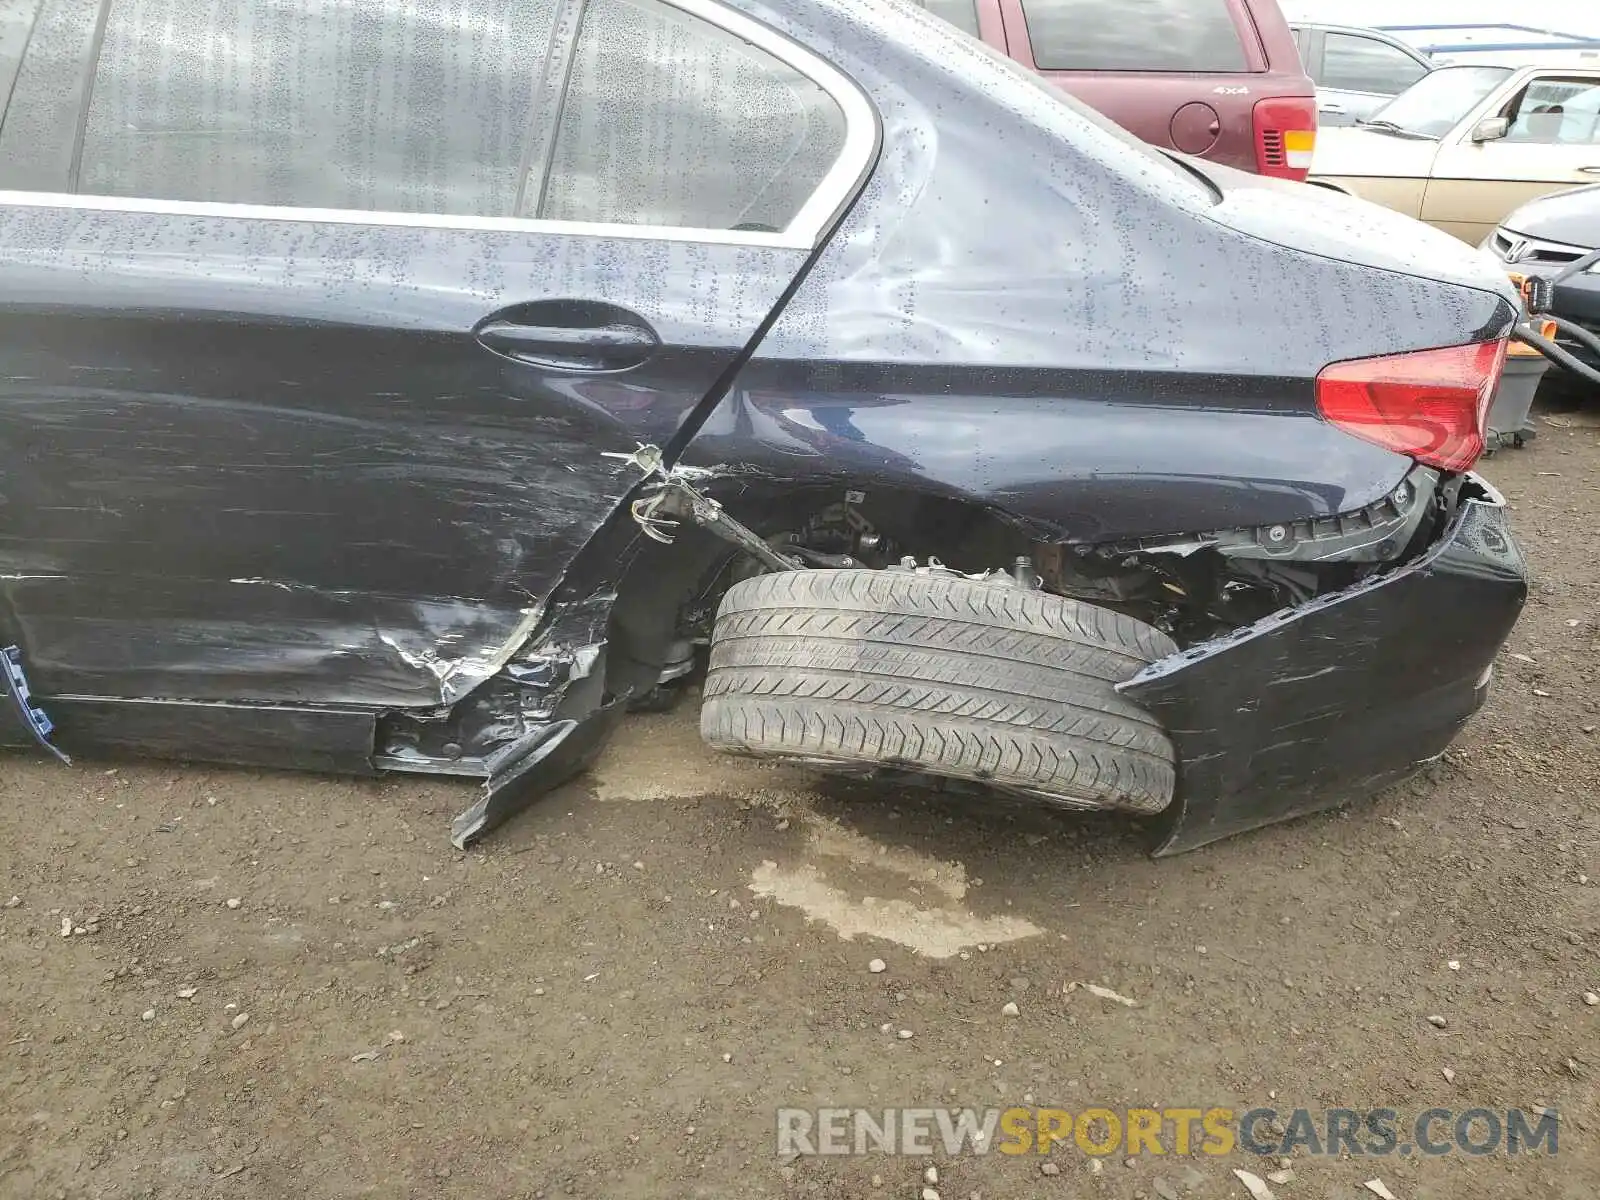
(943,675)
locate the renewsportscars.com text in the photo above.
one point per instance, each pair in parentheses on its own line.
(1100,1132)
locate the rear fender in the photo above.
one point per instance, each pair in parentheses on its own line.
(1075,456)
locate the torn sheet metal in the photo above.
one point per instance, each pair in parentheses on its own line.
(562,751)
(257,640)
(536,723)
(460,669)
(22,718)
(552,750)
(1337,699)
(301,477)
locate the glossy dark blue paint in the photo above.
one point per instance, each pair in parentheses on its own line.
(284,469)
(1073,455)
(291,466)
(1127,348)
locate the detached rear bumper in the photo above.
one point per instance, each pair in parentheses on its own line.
(1340,698)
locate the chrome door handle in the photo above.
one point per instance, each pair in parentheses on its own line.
(569,335)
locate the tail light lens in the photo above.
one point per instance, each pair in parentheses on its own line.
(1432,405)
(1286,136)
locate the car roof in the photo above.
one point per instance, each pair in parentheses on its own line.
(1363,31)
(1523,71)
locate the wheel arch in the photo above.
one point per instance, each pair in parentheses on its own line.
(661,580)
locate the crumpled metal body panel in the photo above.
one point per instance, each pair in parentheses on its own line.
(265,487)
(284,470)
(1339,698)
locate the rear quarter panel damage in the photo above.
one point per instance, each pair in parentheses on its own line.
(1027,311)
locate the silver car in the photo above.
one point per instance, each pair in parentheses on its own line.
(1357,71)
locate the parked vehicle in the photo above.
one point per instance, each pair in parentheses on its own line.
(1357,71)
(329,351)
(1221,79)
(1558,238)
(1505,44)
(1465,145)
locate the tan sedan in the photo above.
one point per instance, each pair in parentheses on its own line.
(1467,144)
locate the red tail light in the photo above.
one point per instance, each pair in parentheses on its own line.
(1286,134)
(1431,405)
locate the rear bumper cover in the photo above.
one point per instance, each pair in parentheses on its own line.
(1337,699)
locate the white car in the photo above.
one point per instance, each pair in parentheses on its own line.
(1467,144)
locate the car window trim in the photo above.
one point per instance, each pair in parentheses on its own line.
(544,130)
(810,226)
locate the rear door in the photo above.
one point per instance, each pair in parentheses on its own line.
(1552,142)
(1175,73)
(1359,75)
(318,318)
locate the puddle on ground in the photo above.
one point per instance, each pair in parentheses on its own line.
(940,929)
(661,757)
(941,932)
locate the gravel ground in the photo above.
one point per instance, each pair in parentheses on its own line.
(284,984)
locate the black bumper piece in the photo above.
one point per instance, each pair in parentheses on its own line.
(1337,699)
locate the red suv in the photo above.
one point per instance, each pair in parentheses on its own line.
(1219,78)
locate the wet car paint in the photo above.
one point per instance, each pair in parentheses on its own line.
(1021,311)
(1076,456)
(372,504)
(1108,345)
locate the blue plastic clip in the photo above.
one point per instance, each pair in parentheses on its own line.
(35,719)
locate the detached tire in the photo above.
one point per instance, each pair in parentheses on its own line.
(943,676)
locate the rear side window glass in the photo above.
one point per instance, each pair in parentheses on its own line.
(1362,64)
(16,26)
(381,105)
(670,121)
(1134,35)
(963,14)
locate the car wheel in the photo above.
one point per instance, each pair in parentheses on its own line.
(942,675)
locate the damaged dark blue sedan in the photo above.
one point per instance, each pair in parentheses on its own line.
(419,387)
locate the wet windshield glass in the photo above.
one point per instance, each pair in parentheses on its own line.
(1433,105)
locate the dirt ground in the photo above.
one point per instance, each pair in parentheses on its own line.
(291,985)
